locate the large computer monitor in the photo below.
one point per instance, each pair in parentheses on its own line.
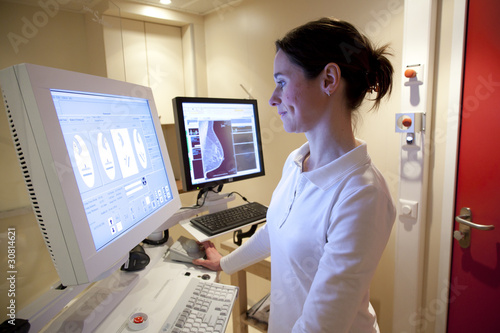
(95,163)
(219,141)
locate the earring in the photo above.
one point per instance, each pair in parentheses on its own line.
(328,93)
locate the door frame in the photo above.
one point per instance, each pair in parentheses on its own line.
(451,158)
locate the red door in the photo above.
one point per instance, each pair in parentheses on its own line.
(474,304)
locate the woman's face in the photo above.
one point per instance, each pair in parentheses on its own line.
(296,97)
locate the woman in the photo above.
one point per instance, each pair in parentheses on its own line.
(331,215)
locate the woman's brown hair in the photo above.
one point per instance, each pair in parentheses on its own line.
(365,68)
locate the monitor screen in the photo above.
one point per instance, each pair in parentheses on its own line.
(116,159)
(95,164)
(219,140)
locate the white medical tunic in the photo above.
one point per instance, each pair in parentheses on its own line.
(326,230)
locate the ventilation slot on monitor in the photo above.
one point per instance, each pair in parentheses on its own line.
(29,184)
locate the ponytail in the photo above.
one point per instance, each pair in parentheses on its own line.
(381,72)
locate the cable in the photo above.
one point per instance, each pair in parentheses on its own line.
(242,197)
(158,242)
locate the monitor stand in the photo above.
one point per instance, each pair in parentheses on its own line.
(213,202)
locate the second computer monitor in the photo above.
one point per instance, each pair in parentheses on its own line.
(219,140)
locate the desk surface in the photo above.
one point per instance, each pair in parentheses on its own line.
(155,294)
(154,291)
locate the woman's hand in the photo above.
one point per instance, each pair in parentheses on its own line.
(213,257)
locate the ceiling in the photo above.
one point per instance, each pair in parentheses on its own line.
(198,7)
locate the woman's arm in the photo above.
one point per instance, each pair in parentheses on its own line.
(257,248)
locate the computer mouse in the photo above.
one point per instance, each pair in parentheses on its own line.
(191,246)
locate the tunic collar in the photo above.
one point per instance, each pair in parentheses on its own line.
(336,170)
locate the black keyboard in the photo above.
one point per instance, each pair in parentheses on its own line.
(215,223)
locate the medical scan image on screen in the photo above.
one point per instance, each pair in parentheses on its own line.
(116,160)
(221,148)
(216,145)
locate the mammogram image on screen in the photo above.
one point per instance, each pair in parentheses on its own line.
(216,143)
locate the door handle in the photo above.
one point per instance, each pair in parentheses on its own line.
(465,223)
(465,217)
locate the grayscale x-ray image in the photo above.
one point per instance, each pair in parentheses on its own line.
(216,143)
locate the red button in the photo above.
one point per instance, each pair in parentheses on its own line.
(138,320)
(406,121)
(409,73)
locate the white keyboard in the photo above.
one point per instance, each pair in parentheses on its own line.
(203,307)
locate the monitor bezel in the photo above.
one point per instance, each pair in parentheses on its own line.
(182,143)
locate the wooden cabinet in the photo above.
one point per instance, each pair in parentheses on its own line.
(261,269)
(148,54)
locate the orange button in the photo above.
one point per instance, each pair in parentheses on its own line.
(409,73)
(406,121)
